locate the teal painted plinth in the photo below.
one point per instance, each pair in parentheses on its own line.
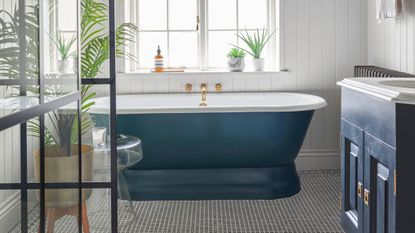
(205,156)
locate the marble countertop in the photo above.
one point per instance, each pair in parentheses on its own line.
(398,90)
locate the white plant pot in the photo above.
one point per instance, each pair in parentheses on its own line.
(236,64)
(259,64)
(65,66)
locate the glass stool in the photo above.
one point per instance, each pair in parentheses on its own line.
(129,153)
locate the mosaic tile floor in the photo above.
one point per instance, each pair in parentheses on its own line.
(314,210)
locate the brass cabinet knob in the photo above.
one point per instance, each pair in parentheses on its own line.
(188,87)
(366,197)
(218,87)
(359,189)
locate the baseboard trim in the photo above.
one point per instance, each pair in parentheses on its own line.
(10,210)
(318,159)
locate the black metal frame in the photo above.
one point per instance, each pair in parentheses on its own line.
(23,116)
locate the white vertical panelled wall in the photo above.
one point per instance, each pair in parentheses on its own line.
(391,42)
(322,40)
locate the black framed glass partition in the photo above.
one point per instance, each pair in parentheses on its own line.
(46,138)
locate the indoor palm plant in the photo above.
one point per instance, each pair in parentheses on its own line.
(9,43)
(61,126)
(256,44)
(236,60)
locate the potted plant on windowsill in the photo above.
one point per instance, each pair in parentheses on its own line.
(256,44)
(66,52)
(236,60)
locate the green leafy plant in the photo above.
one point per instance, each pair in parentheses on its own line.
(236,53)
(10,43)
(95,40)
(61,126)
(64,45)
(255,43)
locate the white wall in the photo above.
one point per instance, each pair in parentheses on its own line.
(391,42)
(321,42)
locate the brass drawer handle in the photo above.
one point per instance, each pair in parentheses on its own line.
(394,182)
(366,198)
(359,189)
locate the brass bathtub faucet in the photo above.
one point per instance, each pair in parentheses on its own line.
(203,88)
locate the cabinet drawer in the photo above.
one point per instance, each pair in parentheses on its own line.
(371,114)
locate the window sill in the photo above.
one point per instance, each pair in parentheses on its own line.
(203,73)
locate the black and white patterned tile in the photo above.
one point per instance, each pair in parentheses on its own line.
(314,210)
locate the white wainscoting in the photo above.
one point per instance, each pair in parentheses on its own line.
(391,42)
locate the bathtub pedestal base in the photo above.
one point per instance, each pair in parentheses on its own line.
(214,184)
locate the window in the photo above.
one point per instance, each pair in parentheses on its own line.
(172,25)
(198,33)
(62,24)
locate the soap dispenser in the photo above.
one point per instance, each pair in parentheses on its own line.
(158,61)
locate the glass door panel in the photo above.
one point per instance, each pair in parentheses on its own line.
(47,144)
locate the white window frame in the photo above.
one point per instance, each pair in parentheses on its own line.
(129,13)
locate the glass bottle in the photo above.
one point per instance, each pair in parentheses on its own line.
(158,61)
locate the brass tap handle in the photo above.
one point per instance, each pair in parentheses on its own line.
(218,87)
(188,87)
(203,87)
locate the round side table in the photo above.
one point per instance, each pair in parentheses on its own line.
(129,153)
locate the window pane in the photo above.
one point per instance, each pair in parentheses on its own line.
(183,49)
(219,46)
(11,212)
(67,21)
(252,14)
(148,42)
(93,45)
(152,15)
(182,14)
(222,14)
(63,203)
(98,205)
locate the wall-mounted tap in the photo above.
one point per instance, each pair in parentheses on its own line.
(203,88)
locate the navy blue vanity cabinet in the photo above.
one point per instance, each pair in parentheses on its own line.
(378,164)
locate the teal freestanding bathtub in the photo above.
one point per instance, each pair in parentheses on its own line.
(241,146)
